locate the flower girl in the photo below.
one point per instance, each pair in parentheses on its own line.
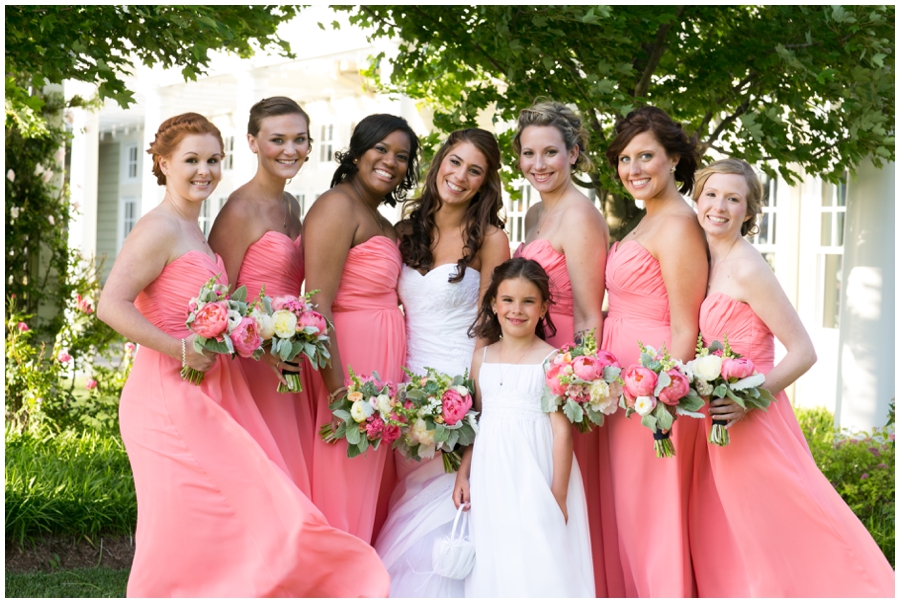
(528,514)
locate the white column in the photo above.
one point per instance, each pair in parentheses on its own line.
(867,354)
(83,179)
(250,90)
(154,114)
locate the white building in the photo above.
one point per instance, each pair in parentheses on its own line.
(832,247)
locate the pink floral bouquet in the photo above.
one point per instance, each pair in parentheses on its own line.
(721,372)
(583,380)
(366,415)
(290,325)
(439,415)
(222,324)
(659,390)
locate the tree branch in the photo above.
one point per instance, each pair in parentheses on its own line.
(659,49)
(449,33)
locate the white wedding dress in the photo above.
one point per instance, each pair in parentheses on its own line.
(438,317)
(523,545)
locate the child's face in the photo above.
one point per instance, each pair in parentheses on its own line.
(519,307)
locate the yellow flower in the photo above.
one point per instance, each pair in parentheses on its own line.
(285,323)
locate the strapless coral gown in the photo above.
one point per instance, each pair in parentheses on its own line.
(276,261)
(371,337)
(651,495)
(790,533)
(217,514)
(590,448)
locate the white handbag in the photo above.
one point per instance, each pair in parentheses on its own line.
(454,555)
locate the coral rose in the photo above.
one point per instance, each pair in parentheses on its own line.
(737,368)
(676,390)
(245,337)
(552,378)
(312,319)
(639,381)
(606,359)
(211,320)
(587,368)
(454,406)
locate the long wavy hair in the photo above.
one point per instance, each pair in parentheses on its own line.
(487,325)
(417,230)
(369,132)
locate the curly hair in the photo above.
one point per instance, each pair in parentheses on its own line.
(668,133)
(755,190)
(369,132)
(170,134)
(487,325)
(546,112)
(417,230)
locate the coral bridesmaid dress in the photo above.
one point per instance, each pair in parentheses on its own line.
(790,533)
(371,337)
(590,448)
(277,262)
(650,494)
(217,514)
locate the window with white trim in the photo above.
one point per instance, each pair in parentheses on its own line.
(132,163)
(766,220)
(326,143)
(228,162)
(831,250)
(515,213)
(128,217)
(205,220)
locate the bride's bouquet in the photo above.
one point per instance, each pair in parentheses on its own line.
(583,380)
(720,372)
(439,414)
(366,415)
(222,324)
(291,325)
(659,390)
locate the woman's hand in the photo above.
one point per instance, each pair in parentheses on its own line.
(726,409)
(197,360)
(561,501)
(461,491)
(279,365)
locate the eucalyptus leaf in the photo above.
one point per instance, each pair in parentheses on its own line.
(353,434)
(573,411)
(650,422)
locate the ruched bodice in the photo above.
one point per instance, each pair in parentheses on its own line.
(635,285)
(273,260)
(369,279)
(164,302)
(554,264)
(520,394)
(438,316)
(748,335)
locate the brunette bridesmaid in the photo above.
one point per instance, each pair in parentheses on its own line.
(352,260)
(217,514)
(257,235)
(568,237)
(656,279)
(774,497)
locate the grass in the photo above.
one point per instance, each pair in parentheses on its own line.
(74,483)
(96,582)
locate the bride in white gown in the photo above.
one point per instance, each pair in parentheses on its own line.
(451,242)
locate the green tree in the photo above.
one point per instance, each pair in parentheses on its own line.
(807,87)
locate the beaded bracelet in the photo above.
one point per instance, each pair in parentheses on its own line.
(183,354)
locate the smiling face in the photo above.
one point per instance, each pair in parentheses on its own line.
(382,168)
(281,145)
(461,174)
(544,159)
(722,205)
(519,307)
(194,168)
(645,169)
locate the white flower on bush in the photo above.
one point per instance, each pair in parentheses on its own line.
(14,211)
(644,405)
(706,368)
(11,175)
(422,434)
(285,323)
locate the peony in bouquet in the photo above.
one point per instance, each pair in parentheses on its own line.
(366,415)
(290,325)
(584,381)
(222,324)
(659,390)
(721,372)
(439,414)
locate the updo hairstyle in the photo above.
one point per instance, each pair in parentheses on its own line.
(273,107)
(755,189)
(670,135)
(564,119)
(369,132)
(170,134)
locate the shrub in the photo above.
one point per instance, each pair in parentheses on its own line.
(860,466)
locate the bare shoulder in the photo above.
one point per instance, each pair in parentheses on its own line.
(680,227)
(495,237)
(334,204)
(751,271)
(156,230)
(581,213)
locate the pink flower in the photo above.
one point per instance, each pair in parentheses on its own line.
(615,390)
(288,302)
(606,359)
(553,380)
(738,368)
(587,368)
(639,381)
(245,337)
(391,432)
(83,304)
(90,384)
(312,319)
(454,406)
(22,327)
(374,427)
(211,320)
(864,476)
(64,358)
(676,390)
(129,348)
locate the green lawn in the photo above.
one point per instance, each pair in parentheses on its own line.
(81,583)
